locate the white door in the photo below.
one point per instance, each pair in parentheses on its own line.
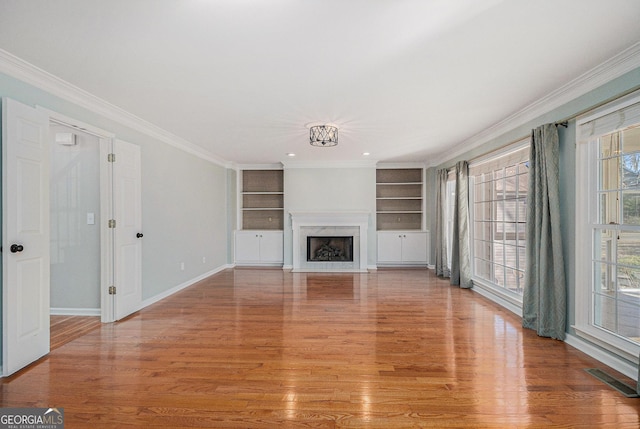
(25,235)
(127,209)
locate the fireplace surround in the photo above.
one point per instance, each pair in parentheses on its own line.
(325,225)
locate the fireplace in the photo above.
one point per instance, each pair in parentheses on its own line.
(345,251)
(329,248)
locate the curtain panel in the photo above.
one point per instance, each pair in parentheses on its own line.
(442,263)
(544,296)
(461,253)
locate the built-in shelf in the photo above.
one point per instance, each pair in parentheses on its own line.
(399,199)
(262,199)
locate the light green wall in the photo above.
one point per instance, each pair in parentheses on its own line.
(184,203)
(568,185)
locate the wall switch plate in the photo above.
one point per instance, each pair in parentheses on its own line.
(91,218)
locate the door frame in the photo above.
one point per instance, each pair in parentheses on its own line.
(106,138)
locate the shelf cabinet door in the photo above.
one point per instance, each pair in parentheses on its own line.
(402,247)
(390,247)
(414,247)
(271,247)
(259,247)
(247,246)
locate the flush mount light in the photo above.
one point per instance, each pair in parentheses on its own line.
(366,153)
(291,154)
(323,135)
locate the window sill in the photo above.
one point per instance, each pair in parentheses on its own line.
(509,301)
(609,342)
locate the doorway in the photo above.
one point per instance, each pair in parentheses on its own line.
(75,219)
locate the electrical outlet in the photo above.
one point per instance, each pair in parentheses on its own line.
(181,266)
(204,260)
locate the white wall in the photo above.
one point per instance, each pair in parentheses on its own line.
(330,189)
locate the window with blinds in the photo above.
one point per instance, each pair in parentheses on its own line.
(608,226)
(498,193)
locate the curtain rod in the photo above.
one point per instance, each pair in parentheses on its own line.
(565,121)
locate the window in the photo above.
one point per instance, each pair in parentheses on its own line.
(608,292)
(498,186)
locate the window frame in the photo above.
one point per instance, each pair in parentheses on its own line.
(586,215)
(502,292)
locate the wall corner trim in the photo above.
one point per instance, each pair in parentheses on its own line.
(22,70)
(618,65)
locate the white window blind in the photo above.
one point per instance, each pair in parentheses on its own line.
(515,155)
(609,122)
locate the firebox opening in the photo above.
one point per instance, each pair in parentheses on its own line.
(336,249)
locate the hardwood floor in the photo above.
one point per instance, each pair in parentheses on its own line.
(67,328)
(252,348)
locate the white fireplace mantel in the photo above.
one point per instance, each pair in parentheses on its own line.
(353,219)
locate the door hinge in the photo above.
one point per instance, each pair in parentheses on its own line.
(112,223)
(111,157)
(112,290)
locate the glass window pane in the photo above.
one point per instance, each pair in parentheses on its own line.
(610,174)
(499,206)
(482,268)
(510,256)
(604,312)
(608,213)
(510,210)
(631,207)
(631,140)
(631,170)
(521,215)
(604,275)
(603,244)
(523,167)
(628,278)
(628,248)
(629,319)
(498,274)
(609,145)
(521,258)
(498,252)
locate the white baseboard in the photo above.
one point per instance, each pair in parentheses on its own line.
(62,311)
(169,292)
(612,361)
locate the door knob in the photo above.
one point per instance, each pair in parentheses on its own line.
(139,235)
(16,248)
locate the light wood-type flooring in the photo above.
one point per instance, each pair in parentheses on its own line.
(264,348)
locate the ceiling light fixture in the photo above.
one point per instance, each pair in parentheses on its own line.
(291,154)
(323,135)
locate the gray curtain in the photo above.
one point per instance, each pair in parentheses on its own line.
(544,297)
(442,266)
(460,252)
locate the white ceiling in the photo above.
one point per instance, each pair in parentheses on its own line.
(403,79)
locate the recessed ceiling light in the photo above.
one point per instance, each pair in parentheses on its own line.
(366,153)
(291,154)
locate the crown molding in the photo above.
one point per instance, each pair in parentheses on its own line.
(329,164)
(618,65)
(275,166)
(401,164)
(35,76)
